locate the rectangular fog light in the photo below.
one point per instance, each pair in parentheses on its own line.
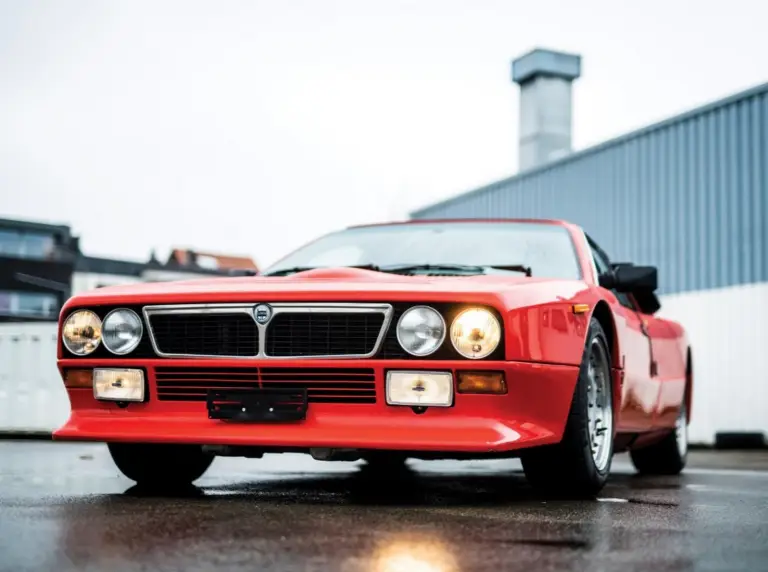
(420,388)
(118,384)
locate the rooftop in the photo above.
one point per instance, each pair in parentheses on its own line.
(211,261)
(27,225)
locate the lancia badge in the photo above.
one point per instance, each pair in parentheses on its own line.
(262,313)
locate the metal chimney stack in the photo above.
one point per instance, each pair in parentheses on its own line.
(545,78)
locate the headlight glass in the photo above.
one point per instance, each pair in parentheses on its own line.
(475,333)
(81,332)
(122,331)
(421,330)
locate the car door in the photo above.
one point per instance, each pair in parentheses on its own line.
(640,390)
(668,368)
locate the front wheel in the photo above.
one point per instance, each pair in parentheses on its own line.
(157,465)
(580,463)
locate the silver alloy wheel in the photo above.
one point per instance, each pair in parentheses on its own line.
(599,406)
(681,430)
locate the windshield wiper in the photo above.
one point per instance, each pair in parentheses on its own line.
(395,269)
(295,269)
(513,268)
(405,268)
(463,268)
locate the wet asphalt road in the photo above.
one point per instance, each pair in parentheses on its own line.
(65,507)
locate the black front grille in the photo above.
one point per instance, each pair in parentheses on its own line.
(206,334)
(323,385)
(323,334)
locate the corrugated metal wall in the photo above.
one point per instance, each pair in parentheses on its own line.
(689,195)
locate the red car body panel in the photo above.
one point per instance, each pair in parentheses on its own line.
(544,342)
(531,413)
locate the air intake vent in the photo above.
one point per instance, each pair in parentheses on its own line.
(323,385)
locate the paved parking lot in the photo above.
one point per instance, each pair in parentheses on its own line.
(65,507)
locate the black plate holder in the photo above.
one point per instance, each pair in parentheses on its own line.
(258,405)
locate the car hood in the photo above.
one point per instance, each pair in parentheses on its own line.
(340,285)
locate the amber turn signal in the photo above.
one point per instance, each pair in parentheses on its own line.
(481,382)
(78,378)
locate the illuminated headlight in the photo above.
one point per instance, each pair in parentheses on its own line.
(81,332)
(420,388)
(118,384)
(421,330)
(122,331)
(475,333)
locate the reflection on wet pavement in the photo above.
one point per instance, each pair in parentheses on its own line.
(64,507)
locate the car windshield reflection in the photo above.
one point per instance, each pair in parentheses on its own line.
(540,249)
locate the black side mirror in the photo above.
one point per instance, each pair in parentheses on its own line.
(647,301)
(631,278)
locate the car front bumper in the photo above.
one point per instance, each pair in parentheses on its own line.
(533,412)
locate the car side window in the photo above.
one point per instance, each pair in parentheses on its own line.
(603,266)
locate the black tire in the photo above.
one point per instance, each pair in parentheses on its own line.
(665,457)
(569,467)
(160,466)
(385,462)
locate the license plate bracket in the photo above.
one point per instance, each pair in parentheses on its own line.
(258,405)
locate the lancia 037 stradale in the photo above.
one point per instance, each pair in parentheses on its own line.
(426,339)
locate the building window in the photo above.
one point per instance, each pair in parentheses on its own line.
(29,304)
(5,303)
(26,244)
(37,245)
(10,243)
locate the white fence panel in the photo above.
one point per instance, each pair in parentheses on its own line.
(32,395)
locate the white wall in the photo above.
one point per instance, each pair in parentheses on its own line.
(727,328)
(162,275)
(84,281)
(728,332)
(32,396)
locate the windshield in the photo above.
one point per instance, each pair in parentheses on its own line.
(545,248)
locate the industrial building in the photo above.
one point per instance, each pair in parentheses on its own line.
(688,195)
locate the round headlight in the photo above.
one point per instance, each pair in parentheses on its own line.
(122,331)
(81,332)
(421,330)
(475,333)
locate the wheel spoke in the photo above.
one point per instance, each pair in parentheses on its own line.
(599,413)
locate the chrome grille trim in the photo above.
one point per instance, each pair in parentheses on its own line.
(277,308)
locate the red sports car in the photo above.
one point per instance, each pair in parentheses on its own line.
(427,339)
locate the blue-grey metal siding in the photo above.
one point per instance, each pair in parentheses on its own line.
(689,195)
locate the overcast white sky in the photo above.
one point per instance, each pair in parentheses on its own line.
(251,127)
